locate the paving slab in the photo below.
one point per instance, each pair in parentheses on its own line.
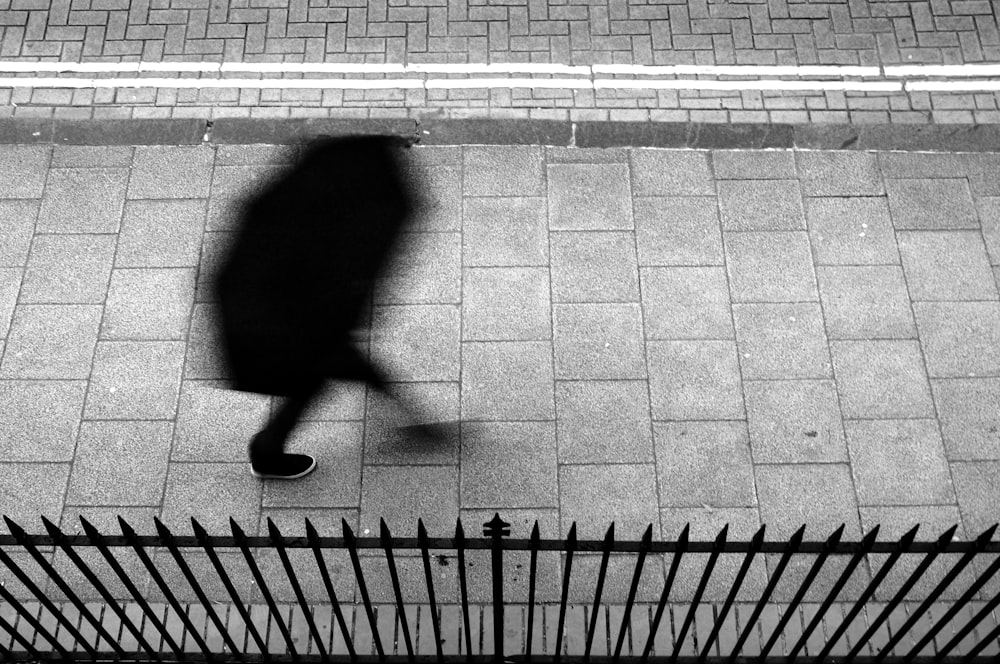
(68,269)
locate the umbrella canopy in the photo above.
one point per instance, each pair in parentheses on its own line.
(308,249)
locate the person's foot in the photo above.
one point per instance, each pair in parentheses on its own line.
(283,466)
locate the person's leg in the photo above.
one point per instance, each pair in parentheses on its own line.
(267,456)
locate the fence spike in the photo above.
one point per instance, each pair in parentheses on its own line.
(984,538)
(15,530)
(758,538)
(383,532)
(58,536)
(311,533)
(348,533)
(459,530)
(272,530)
(720,539)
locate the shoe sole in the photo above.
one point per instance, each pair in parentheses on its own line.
(267,476)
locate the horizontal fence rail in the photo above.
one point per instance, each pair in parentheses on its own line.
(96,596)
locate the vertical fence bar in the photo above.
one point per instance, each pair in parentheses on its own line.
(425,552)
(60,540)
(790,547)
(939,546)
(98,539)
(682,543)
(313,538)
(903,545)
(866,546)
(532,582)
(644,547)
(496,529)
(609,539)
(962,563)
(463,584)
(755,544)
(278,542)
(352,548)
(570,548)
(22,539)
(992,604)
(720,542)
(35,624)
(206,543)
(396,590)
(241,542)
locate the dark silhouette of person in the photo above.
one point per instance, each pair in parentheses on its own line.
(296,281)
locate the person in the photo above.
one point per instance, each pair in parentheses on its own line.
(296,281)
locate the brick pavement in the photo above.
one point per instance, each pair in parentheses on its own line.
(695,32)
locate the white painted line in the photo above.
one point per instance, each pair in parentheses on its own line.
(500,68)
(944,70)
(458,83)
(681,84)
(953,86)
(737,70)
(313,67)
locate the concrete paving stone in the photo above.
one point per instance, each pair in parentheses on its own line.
(704,463)
(417,342)
(795,421)
(564,155)
(598,341)
(506,304)
(214,248)
(403,494)
(881,379)
(704,525)
(977,484)
(694,380)
(148,303)
(946,265)
(505,232)
(161,234)
(761,205)
(686,303)
(83,200)
(41,419)
(509,465)
(91,156)
(589,197)
(205,357)
(231,188)
(135,380)
(171,171)
(925,204)
(51,341)
(909,165)
(439,190)
(851,231)
(595,496)
(31,490)
(899,462)
(10,286)
(427,269)
(773,266)
(120,463)
(778,341)
(336,482)
(17,226)
(982,169)
(603,421)
(657,172)
(210,493)
(960,339)
(989,221)
(507,380)
(753,165)
(216,424)
(678,231)
(865,302)
(250,155)
(507,170)
(387,444)
(970,420)
(23,169)
(68,269)
(594,267)
(339,400)
(836,173)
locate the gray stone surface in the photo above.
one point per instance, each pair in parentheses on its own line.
(744,165)
(336,482)
(851,231)
(679,230)
(704,464)
(23,169)
(946,265)
(503,171)
(161,233)
(589,197)
(931,204)
(68,269)
(403,494)
(603,421)
(83,200)
(773,266)
(795,421)
(41,419)
(781,341)
(977,485)
(210,493)
(505,231)
(205,357)
(214,248)
(120,463)
(91,156)
(594,496)
(671,173)
(507,380)
(761,205)
(899,462)
(51,341)
(598,341)
(865,302)
(506,304)
(417,342)
(694,380)
(148,303)
(970,419)
(881,379)
(17,224)
(835,173)
(231,188)
(31,490)
(215,424)
(171,172)
(426,269)
(135,380)
(960,339)
(509,465)
(440,191)
(686,303)
(989,221)
(594,267)
(387,443)
(10,285)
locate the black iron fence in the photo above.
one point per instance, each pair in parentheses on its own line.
(171,597)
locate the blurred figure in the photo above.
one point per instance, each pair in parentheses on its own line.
(307,252)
